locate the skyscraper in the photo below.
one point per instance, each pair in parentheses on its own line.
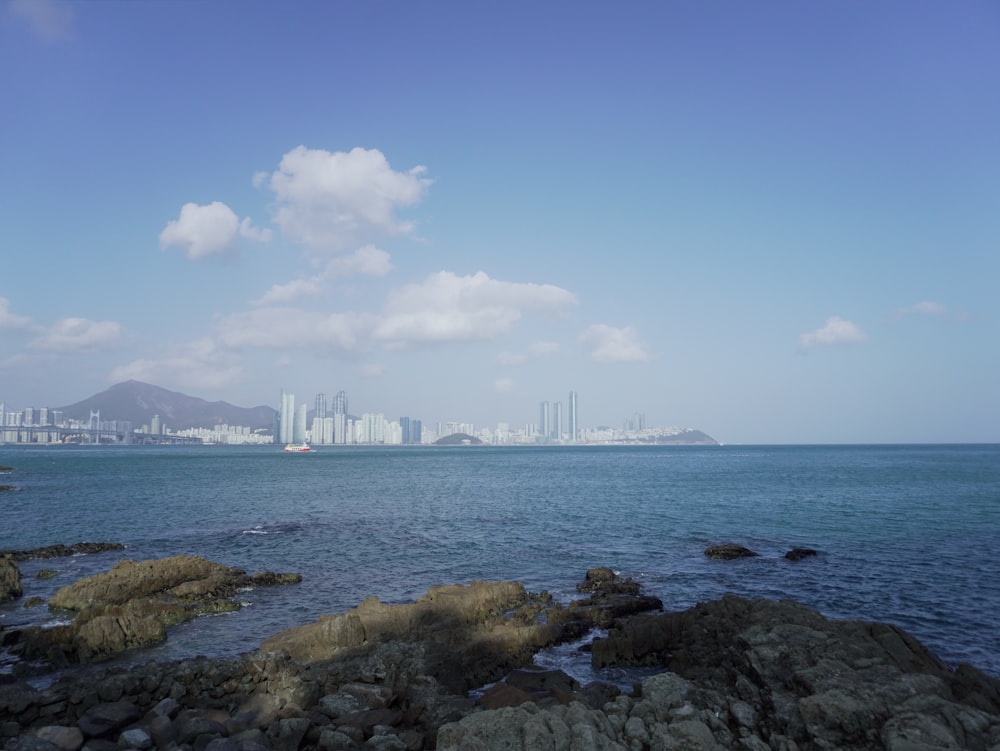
(557,421)
(543,420)
(574,427)
(322,426)
(340,431)
(299,425)
(287,418)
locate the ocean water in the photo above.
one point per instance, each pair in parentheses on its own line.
(905,534)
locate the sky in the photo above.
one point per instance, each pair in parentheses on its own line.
(776,222)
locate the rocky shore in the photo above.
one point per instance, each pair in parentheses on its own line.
(454,671)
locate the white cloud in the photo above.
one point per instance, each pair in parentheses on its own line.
(204,231)
(835,331)
(78,335)
(611,344)
(503,385)
(290,328)
(372,370)
(197,365)
(257,234)
(925,308)
(446,307)
(10,321)
(367,260)
(52,20)
(282,294)
(332,201)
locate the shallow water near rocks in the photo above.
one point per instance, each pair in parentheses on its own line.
(905,534)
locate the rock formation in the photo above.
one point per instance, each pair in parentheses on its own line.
(132,605)
(728,552)
(753,675)
(10,580)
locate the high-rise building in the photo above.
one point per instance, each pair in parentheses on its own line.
(341,432)
(416,430)
(372,428)
(321,431)
(287,418)
(557,421)
(404,427)
(543,420)
(573,425)
(299,425)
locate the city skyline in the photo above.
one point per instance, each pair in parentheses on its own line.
(774,223)
(325,425)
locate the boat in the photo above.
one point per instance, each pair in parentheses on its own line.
(297,448)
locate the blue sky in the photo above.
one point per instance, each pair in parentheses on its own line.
(777,222)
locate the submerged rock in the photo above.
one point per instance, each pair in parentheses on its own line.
(797,554)
(729,552)
(61,551)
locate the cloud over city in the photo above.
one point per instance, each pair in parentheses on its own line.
(200,364)
(609,344)
(365,261)
(78,335)
(446,307)
(332,202)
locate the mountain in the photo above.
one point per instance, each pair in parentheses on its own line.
(138,402)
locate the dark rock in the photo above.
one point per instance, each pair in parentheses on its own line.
(369,718)
(541,681)
(31,743)
(65,737)
(62,551)
(728,552)
(285,735)
(797,554)
(604,581)
(502,695)
(752,675)
(192,726)
(136,738)
(10,580)
(102,719)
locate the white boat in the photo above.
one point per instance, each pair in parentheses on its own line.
(297,448)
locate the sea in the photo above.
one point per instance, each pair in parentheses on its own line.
(905,534)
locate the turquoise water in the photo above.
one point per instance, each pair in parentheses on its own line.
(906,534)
